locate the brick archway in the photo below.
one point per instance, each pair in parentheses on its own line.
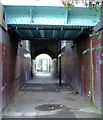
(45,51)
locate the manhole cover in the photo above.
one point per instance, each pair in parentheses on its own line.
(49,107)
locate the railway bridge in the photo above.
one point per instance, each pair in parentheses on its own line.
(27,31)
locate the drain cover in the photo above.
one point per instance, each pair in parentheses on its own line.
(49,107)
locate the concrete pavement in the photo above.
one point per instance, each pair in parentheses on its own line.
(42,97)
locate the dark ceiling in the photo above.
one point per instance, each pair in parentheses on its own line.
(48,32)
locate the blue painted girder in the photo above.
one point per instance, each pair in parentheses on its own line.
(33,22)
(50,15)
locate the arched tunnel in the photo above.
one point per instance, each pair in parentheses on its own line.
(72,39)
(46,51)
(46,47)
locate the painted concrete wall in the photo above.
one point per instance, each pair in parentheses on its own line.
(77,67)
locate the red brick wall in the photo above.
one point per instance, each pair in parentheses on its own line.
(77,67)
(0,79)
(84,65)
(102,75)
(97,67)
(14,68)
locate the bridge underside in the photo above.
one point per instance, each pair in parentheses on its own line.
(49,23)
(48,32)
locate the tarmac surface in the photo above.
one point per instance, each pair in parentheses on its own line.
(42,97)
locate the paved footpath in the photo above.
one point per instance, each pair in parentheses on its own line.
(42,97)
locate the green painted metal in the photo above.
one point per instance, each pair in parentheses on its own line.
(50,16)
(51,32)
(43,22)
(37,15)
(83,17)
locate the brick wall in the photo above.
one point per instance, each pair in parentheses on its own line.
(102,74)
(77,67)
(1,21)
(0,79)
(16,68)
(97,67)
(84,65)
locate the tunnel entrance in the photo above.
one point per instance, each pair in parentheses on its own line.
(43,63)
(44,70)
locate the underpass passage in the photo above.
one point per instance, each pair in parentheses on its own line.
(42,97)
(22,39)
(43,78)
